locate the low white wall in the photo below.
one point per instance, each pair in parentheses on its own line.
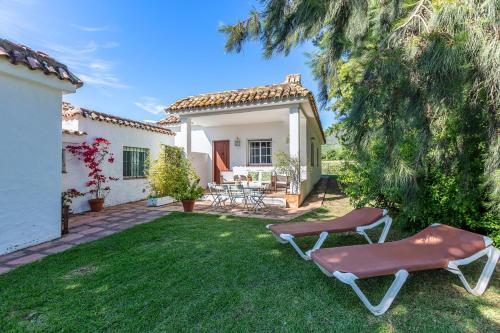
(30,183)
(123,190)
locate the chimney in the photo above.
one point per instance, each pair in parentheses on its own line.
(293,78)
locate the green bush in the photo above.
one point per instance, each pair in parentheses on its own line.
(162,172)
(172,174)
(416,92)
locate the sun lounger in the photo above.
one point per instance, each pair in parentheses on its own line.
(359,220)
(436,247)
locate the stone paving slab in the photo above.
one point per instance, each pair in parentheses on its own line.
(25,259)
(84,228)
(90,226)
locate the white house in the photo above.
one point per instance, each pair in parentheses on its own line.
(31,89)
(240,130)
(131,141)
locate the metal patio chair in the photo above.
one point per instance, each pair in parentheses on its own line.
(219,197)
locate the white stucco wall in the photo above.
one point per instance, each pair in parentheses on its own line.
(30,132)
(203,136)
(123,190)
(313,169)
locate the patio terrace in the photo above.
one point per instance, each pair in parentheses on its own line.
(206,273)
(90,226)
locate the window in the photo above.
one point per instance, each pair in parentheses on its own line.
(260,152)
(312,154)
(134,162)
(317,157)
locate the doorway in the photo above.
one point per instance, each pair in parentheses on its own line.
(220,158)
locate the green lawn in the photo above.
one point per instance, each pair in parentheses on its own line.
(195,272)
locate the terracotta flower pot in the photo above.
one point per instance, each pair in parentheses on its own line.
(188,205)
(293,200)
(96,205)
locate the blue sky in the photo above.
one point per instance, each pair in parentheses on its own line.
(136,58)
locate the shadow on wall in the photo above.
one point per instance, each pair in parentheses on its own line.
(201,163)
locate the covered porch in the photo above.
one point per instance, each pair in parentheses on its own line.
(241,143)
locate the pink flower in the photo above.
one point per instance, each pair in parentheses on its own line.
(93,155)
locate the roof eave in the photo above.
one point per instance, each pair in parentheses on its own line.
(309,98)
(235,106)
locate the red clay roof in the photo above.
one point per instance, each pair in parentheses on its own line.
(170,120)
(36,60)
(70,111)
(290,89)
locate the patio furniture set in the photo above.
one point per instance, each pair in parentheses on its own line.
(438,246)
(249,194)
(248,190)
(273,181)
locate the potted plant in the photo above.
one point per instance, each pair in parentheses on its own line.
(94,155)
(66,200)
(289,166)
(172,175)
(188,196)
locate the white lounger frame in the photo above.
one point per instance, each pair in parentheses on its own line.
(401,276)
(287,238)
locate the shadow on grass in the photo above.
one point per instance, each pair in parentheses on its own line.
(203,272)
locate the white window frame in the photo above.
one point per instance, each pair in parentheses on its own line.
(249,153)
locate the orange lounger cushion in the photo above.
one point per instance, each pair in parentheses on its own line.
(432,248)
(349,222)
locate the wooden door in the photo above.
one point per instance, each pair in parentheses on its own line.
(220,158)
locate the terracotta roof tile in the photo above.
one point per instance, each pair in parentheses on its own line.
(170,120)
(73,132)
(36,60)
(70,111)
(289,90)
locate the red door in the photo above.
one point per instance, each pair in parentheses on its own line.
(220,158)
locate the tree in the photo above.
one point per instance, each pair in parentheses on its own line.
(416,86)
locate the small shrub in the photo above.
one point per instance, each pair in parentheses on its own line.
(172,174)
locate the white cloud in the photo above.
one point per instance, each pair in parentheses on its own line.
(83,61)
(18,19)
(109,81)
(151,105)
(100,65)
(24,21)
(110,45)
(93,29)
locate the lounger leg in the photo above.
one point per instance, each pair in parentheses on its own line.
(386,220)
(390,295)
(287,238)
(493,255)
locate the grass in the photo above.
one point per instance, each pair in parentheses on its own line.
(196,272)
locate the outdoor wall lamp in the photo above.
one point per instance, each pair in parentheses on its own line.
(237,142)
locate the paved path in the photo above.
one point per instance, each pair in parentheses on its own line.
(83,229)
(87,227)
